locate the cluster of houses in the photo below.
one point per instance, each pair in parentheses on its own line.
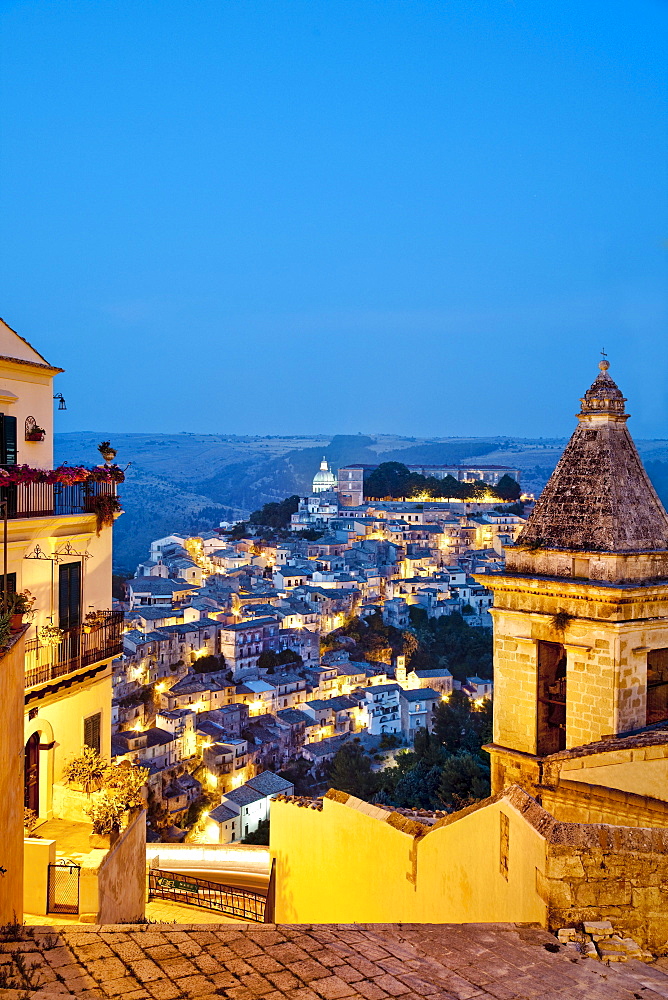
(222,681)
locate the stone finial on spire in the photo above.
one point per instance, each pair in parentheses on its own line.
(604,364)
(603,398)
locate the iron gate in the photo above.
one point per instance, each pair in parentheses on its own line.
(63,887)
(232,900)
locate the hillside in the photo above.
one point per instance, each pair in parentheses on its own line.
(186,482)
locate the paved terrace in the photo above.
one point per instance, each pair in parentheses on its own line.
(305,962)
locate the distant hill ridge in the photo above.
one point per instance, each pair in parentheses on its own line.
(190,482)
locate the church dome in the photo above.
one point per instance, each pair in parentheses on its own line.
(324,478)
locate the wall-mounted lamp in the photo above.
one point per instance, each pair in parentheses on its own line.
(62,405)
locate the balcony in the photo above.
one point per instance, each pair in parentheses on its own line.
(53,499)
(78,648)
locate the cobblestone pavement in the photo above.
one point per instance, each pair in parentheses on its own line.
(308,962)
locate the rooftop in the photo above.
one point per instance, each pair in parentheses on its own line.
(599,498)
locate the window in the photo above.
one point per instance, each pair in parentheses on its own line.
(8,448)
(92,731)
(657,686)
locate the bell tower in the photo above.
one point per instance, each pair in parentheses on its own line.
(581,611)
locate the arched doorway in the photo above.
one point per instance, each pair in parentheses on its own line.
(31,783)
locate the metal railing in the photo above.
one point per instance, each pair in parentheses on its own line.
(79,647)
(50,499)
(184,888)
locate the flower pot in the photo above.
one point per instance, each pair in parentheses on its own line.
(35,436)
(103,840)
(16,622)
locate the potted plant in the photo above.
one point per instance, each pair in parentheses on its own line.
(104,506)
(29,821)
(18,605)
(50,635)
(35,434)
(108,453)
(105,815)
(93,619)
(88,771)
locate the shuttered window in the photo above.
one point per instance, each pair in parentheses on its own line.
(92,731)
(8,439)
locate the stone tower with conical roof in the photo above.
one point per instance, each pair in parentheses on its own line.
(581,611)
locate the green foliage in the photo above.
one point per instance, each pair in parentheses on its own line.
(276,515)
(418,788)
(393,480)
(508,488)
(105,813)
(267,660)
(464,780)
(289,656)
(374,640)
(208,664)
(450,642)
(259,836)
(311,535)
(125,782)
(388,741)
(459,726)
(298,771)
(87,769)
(29,820)
(239,530)
(351,771)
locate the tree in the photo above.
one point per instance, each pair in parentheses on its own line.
(419,787)
(208,664)
(289,656)
(351,771)
(508,488)
(276,515)
(460,726)
(464,779)
(259,836)
(390,479)
(451,721)
(267,660)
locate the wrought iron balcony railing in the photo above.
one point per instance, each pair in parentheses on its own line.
(79,647)
(49,499)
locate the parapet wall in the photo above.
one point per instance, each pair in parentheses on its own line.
(504,859)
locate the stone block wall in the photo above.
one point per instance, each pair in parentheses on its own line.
(611,873)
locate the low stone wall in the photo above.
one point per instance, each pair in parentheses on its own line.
(600,872)
(121,877)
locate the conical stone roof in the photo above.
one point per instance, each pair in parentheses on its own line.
(599,498)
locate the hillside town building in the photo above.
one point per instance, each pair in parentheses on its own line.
(575,829)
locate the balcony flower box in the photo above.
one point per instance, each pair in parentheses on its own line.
(36,435)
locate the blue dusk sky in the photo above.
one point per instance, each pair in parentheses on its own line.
(287,216)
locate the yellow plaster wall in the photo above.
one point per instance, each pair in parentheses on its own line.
(11,782)
(65,712)
(38,855)
(34,391)
(346,863)
(643,771)
(122,876)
